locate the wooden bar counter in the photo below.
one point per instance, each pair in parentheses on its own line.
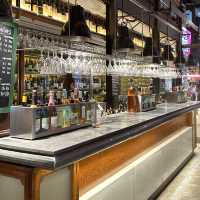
(132,156)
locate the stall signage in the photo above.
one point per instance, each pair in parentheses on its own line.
(8,32)
(186,39)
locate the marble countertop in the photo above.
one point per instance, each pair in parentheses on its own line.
(63,149)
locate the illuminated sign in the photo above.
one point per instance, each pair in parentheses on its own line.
(186,39)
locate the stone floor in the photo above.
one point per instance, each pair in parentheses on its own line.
(186,186)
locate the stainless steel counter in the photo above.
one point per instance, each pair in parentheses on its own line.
(57,151)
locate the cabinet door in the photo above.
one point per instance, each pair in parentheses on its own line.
(148,176)
(56,186)
(11,188)
(122,188)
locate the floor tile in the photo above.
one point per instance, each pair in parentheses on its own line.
(186,185)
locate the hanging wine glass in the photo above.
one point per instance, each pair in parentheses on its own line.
(40,64)
(48,63)
(69,63)
(63,64)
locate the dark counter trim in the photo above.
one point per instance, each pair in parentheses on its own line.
(91,147)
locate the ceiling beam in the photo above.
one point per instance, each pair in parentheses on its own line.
(135,9)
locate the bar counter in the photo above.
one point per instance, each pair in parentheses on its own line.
(82,163)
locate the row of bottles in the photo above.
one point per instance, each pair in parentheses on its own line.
(55,9)
(144,86)
(42,82)
(54,97)
(31,65)
(51,117)
(71,112)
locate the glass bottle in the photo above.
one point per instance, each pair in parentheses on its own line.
(54,9)
(34,99)
(24,100)
(40,7)
(63,13)
(45,8)
(51,99)
(133,100)
(66,17)
(65,97)
(35,6)
(53,117)
(130,99)
(83,113)
(59,12)
(28,5)
(50,8)
(13,2)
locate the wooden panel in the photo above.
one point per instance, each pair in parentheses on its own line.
(75,181)
(97,167)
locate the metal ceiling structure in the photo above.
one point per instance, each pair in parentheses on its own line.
(137,9)
(96,7)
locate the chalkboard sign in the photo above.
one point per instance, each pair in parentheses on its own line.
(8,35)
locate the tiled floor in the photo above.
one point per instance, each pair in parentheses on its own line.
(186,186)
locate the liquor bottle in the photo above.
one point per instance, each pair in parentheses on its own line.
(49,7)
(34,99)
(59,97)
(80,96)
(45,8)
(76,93)
(41,98)
(54,9)
(23,4)
(63,13)
(75,115)
(83,114)
(30,66)
(133,101)
(101,30)
(51,99)
(13,2)
(34,64)
(65,100)
(40,7)
(88,112)
(86,96)
(35,83)
(34,6)
(29,83)
(66,17)
(26,65)
(59,12)
(24,100)
(67,116)
(52,111)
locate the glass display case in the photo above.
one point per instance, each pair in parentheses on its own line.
(41,121)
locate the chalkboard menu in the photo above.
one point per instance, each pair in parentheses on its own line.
(7,64)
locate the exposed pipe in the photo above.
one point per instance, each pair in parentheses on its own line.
(141,6)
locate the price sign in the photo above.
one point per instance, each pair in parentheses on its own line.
(8,33)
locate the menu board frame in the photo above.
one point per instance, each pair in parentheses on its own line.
(14,28)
